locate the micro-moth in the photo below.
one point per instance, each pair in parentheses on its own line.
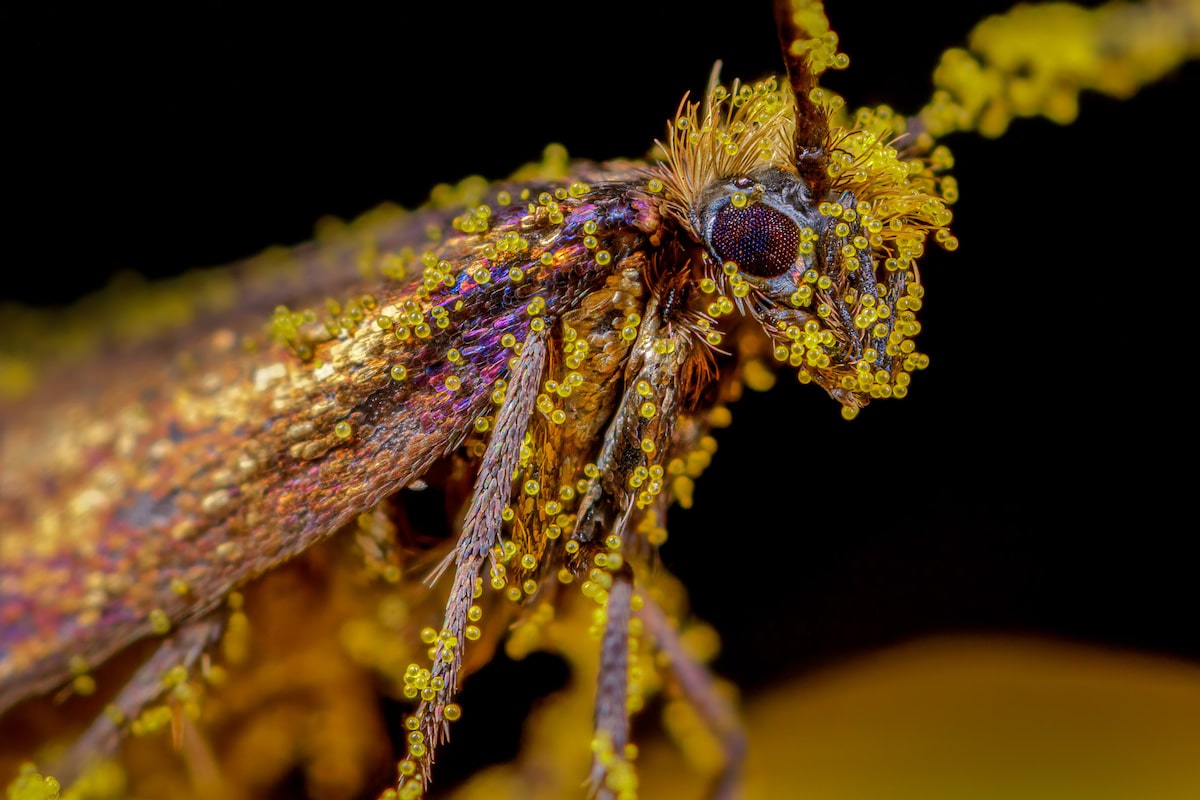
(708,214)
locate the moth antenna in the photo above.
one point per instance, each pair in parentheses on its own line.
(481,530)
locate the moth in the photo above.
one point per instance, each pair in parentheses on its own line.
(562,341)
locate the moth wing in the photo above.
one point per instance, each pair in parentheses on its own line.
(146,476)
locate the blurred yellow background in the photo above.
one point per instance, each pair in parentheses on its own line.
(969,717)
(940,718)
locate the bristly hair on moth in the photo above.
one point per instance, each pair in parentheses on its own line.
(555,355)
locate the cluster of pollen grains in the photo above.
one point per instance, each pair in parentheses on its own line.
(907,196)
(181,696)
(644,679)
(548,402)
(620,773)
(720,286)
(287,328)
(421,684)
(820,46)
(893,204)
(599,581)
(1035,60)
(33,785)
(498,240)
(300,330)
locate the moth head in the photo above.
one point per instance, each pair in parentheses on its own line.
(809,220)
(816,242)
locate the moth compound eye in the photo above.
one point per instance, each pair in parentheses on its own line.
(762,241)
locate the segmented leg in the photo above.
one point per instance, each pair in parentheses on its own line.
(612,774)
(638,438)
(481,530)
(700,690)
(182,649)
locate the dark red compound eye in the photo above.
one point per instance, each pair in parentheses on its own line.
(761,240)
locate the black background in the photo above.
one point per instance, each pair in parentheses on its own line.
(1058,503)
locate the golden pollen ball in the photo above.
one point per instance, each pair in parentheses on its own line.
(160,623)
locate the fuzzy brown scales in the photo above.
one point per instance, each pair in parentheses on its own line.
(187,472)
(179,482)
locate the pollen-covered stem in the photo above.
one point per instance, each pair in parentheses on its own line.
(1034,60)
(809,47)
(481,528)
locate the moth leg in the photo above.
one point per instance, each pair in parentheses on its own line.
(638,439)
(640,434)
(612,773)
(101,739)
(481,530)
(699,689)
